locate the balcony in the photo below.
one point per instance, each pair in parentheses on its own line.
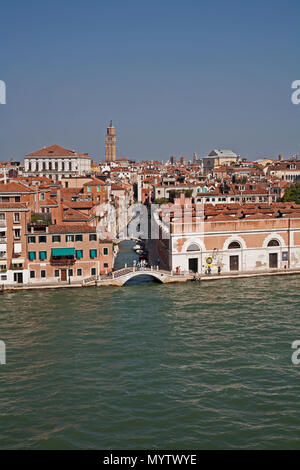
(62,261)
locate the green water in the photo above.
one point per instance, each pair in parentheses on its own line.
(151,366)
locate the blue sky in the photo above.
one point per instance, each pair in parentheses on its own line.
(174,76)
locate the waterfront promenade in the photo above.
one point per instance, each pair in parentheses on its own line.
(120,278)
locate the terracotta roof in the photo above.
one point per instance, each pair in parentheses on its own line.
(55,151)
(95,182)
(72,214)
(80,204)
(13,187)
(12,205)
(72,228)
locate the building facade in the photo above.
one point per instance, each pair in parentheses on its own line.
(56,163)
(261,238)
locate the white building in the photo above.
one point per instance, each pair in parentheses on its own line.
(56,162)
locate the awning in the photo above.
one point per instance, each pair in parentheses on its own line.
(18,260)
(63,251)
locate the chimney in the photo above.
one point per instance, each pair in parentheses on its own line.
(280,158)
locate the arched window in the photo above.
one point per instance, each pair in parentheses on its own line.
(193,247)
(234,246)
(273,243)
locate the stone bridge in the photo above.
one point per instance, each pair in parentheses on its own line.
(119,278)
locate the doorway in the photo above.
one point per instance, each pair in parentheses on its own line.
(18,277)
(234,263)
(273,260)
(193,265)
(63,274)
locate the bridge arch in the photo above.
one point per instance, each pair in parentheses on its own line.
(156,275)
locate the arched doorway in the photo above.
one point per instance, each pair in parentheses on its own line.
(234,259)
(193,261)
(273,256)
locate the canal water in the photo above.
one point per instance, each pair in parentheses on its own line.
(152,366)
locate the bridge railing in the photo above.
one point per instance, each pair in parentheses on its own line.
(142,269)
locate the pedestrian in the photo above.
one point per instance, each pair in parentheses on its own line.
(219,270)
(209,270)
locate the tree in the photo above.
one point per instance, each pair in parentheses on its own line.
(292,194)
(161,200)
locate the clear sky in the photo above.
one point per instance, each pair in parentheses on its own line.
(175,76)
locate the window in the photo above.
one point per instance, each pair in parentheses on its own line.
(79,272)
(105,251)
(193,247)
(70,271)
(32,274)
(69,238)
(93,272)
(93,237)
(31,255)
(234,246)
(105,265)
(3,278)
(88,189)
(43,255)
(17,234)
(43,273)
(31,239)
(273,243)
(93,254)
(17,217)
(98,189)
(56,238)
(2,216)
(56,273)
(78,238)
(42,239)
(79,254)
(17,199)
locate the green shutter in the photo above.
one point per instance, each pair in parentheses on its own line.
(31,255)
(79,254)
(43,255)
(93,253)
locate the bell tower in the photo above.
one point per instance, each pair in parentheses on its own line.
(110,143)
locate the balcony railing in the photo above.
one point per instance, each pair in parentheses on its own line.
(15,267)
(62,261)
